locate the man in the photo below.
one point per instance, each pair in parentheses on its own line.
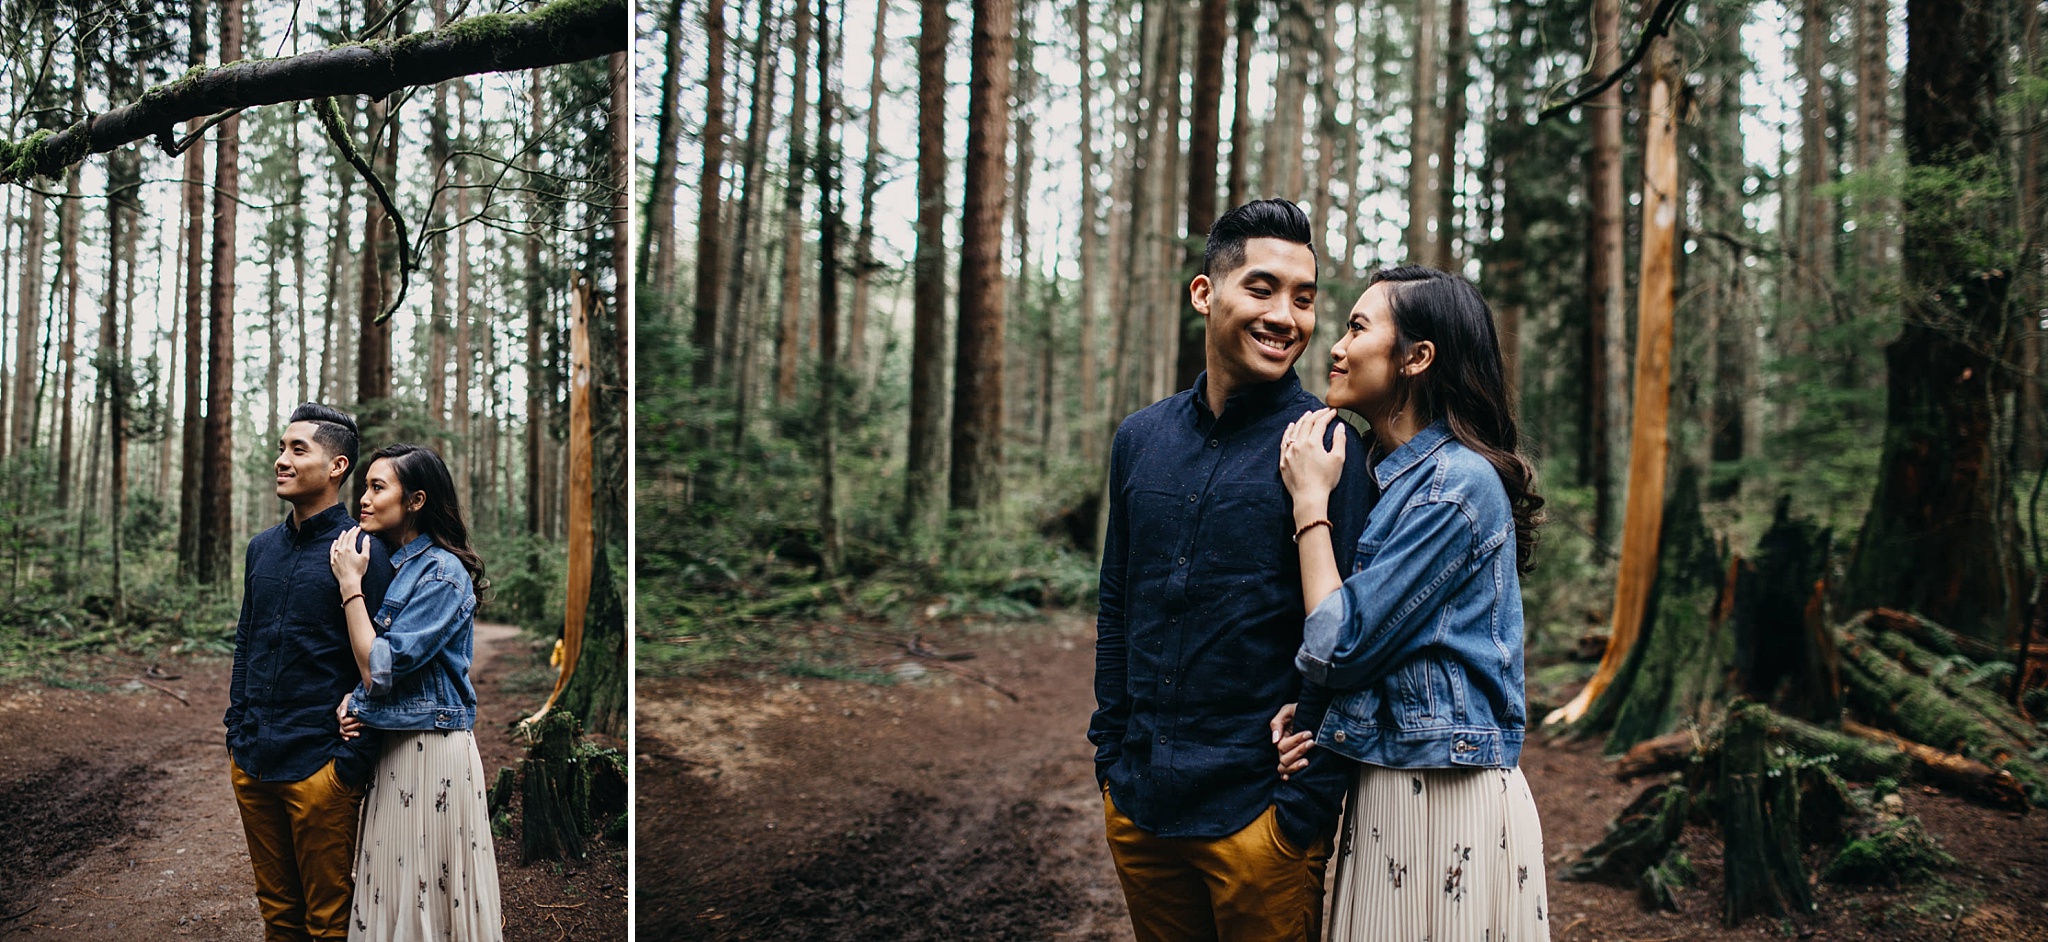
(1201,615)
(299,784)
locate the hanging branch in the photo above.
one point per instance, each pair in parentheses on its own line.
(561,32)
(1660,22)
(330,118)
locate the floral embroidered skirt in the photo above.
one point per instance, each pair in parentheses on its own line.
(1452,855)
(425,867)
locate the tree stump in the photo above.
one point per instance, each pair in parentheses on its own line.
(556,797)
(1759,812)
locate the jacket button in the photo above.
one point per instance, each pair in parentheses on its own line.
(1338,735)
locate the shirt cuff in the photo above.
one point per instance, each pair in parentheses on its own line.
(1319,636)
(380,666)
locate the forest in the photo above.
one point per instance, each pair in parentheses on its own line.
(1769,275)
(219,210)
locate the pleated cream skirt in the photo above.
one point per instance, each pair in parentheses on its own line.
(1440,855)
(425,867)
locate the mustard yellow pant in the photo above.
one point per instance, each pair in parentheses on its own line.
(302,844)
(1248,887)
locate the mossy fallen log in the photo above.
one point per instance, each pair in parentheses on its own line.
(1888,695)
(1851,757)
(1948,673)
(1973,779)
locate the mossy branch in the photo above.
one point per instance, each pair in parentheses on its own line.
(561,32)
(330,119)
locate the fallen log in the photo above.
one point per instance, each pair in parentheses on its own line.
(1974,779)
(1930,665)
(1888,695)
(1671,752)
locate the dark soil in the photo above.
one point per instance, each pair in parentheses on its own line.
(773,807)
(120,824)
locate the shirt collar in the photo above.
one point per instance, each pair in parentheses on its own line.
(327,521)
(405,553)
(1411,453)
(1259,397)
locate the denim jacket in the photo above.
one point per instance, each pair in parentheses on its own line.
(419,663)
(1423,644)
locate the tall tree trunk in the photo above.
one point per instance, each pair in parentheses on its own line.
(1237,189)
(124,173)
(864,264)
(536,326)
(217,486)
(1425,178)
(373,340)
(1812,250)
(1873,130)
(67,350)
(1606,288)
(438,148)
(738,301)
(1507,271)
(191,466)
(657,248)
(1281,170)
(1018,394)
(463,445)
(711,143)
(1457,51)
(1940,538)
(829,216)
(791,317)
(927,456)
(1662,203)
(1091,238)
(1204,141)
(976,480)
(28,318)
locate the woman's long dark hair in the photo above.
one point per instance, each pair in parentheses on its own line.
(419,468)
(1466,386)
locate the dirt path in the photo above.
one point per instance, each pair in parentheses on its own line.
(936,808)
(118,806)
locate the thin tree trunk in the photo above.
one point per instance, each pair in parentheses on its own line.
(1204,141)
(711,144)
(657,248)
(1456,76)
(787,333)
(67,350)
(927,456)
(27,319)
(864,264)
(191,467)
(438,147)
(462,447)
(373,340)
(829,216)
(976,480)
(747,218)
(1241,105)
(1606,287)
(1281,170)
(536,309)
(1813,248)
(1425,178)
(1091,239)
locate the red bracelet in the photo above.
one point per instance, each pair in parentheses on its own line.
(1310,526)
(344,602)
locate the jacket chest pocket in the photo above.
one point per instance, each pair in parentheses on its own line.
(1248,528)
(1362,554)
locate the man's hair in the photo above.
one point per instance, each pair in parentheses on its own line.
(334,429)
(1258,219)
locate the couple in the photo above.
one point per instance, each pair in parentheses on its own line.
(1255,582)
(377,618)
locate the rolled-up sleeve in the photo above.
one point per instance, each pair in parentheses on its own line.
(1347,637)
(431,618)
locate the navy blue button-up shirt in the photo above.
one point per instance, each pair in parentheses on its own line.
(293,663)
(1201,614)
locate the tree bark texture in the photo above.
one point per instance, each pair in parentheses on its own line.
(864,263)
(791,317)
(217,486)
(1425,178)
(711,143)
(1940,537)
(1204,140)
(927,455)
(1606,287)
(657,248)
(975,483)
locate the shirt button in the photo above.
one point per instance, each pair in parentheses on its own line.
(1162,740)
(1191,498)
(1169,679)
(1183,561)
(1212,443)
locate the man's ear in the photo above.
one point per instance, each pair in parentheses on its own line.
(1420,358)
(1199,292)
(337,468)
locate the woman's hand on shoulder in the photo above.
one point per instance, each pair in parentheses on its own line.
(1308,468)
(350,559)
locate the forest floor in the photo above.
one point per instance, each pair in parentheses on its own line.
(935,807)
(120,824)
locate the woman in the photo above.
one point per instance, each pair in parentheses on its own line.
(425,867)
(1419,651)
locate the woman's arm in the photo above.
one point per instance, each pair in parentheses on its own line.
(436,614)
(1351,635)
